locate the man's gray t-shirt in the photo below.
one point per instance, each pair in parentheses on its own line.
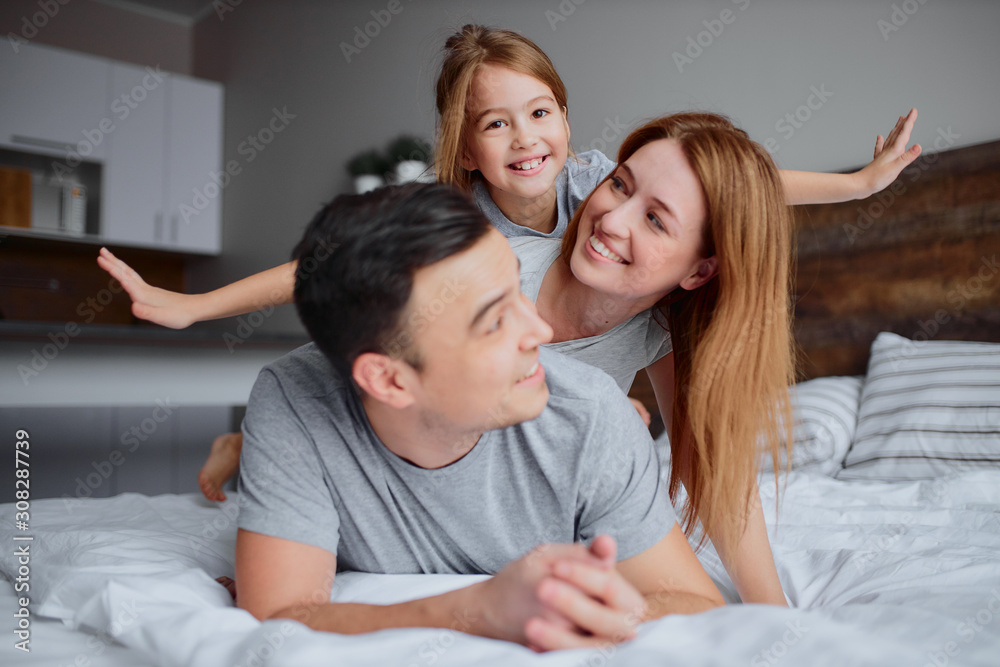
(576,180)
(620,352)
(313,471)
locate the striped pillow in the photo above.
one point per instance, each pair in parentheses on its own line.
(927,409)
(826,412)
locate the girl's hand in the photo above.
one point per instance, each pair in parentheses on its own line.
(160,306)
(891,157)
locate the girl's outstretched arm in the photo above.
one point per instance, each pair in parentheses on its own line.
(175,310)
(891,157)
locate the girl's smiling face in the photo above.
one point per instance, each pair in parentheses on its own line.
(516,134)
(642,231)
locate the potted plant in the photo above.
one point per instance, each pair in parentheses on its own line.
(367,169)
(410,157)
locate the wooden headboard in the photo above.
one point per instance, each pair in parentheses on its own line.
(919,259)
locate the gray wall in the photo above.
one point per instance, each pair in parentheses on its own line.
(617,60)
(99,29)
(618,64)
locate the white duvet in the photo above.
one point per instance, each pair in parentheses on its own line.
(880,574)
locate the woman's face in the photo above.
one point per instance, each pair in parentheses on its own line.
(640,235)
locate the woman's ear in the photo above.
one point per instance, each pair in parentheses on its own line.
(383,378)
(566,122)
(703,272)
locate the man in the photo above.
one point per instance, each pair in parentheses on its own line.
(425,430)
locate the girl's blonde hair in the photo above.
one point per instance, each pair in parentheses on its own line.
(465,53)
(732,342)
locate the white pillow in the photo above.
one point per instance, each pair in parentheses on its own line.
(927,409)
(826,412)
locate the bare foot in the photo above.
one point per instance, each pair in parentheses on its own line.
(220,466)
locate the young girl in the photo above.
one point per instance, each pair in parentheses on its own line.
(503,134)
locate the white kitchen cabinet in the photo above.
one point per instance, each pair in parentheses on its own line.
(163,152)
(135,172)
(193,211)
(53,102)
(158,137)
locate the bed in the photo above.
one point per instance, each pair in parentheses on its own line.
(885,530)
(880,573)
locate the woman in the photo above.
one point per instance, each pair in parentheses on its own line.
(689,232)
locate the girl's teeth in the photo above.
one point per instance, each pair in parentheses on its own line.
(531,164)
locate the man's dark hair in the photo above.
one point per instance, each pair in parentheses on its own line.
(357,259)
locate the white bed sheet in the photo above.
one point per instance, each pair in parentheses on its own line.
(882,574)
(56,644)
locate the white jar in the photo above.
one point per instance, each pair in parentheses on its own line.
(366,182)
(412,170)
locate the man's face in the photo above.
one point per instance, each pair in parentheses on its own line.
(477,339)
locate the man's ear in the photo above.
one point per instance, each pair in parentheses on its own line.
(383,378)
(703,272)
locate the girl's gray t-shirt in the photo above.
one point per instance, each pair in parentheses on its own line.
(620,352)
(577,179)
